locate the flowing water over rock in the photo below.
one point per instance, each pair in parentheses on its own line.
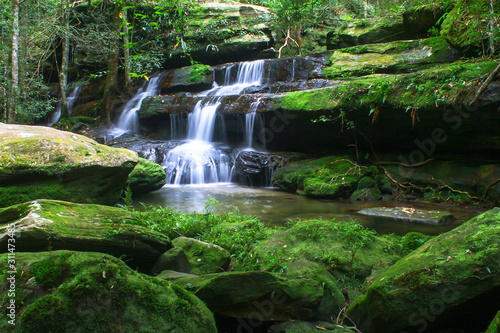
(199,161)
(128,122)
(71,100)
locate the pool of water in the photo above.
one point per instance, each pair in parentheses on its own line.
(274,206)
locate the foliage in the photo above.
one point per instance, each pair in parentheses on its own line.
(232,231)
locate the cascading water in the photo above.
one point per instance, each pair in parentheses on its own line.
(250,123)
(199,161)
(71,99)
(128,121)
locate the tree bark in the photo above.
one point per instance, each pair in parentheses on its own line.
(110,87)
(14,87)
(63,71)
(126,53)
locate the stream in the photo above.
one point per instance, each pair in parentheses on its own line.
(275,207)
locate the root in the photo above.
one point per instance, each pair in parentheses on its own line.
(485,84)
(404,164)
(489,187)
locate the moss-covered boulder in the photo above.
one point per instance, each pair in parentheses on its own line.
(495,325)
(332,177)
(146,177)
(402,56)
(262,296)
(174,259)
(451,278)
(43,163)
(367,31)
(44,225)
(346,247)
(204,257)
(65,291)
(297,326)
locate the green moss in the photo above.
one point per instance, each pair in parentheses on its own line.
(495,325)
(99,293)
(51,271)
(333,176)
(437,86)
(199,72)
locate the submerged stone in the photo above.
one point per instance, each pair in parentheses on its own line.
(409,214)
(43,163)
(65,291)
(454,279)
(44,225)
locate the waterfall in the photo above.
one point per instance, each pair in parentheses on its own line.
(70,100)
(250,122)
(198,161)
(128,120)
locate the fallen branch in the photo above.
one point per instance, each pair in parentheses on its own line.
(485,84)
(488,188)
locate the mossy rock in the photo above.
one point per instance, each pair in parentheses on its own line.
(48,224)
(451,278)
(174,259)
(466,26)
(495,325)
(297,326)
(421,19)
(43,163)
(275,297)
(367,190)
(345,247)
(331,177)
(204,257)
(147,176)
(367,31)
(65,291)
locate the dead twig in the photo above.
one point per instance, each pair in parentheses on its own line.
(488,188)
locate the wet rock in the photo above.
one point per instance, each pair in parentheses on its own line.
(146,177)
(367,190)
(173,275)
(65,291)
(254,168)
(454,279)
(204,258)
(188,79)
(56,225)
(174,259)
(274,297)
(40,162)
(411,215)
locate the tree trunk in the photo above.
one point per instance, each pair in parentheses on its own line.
(63,71)
(110,87)
(14,87)
(126,53)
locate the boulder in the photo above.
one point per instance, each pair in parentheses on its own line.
(56,225)
(43,163)
(65,291)
(410,215)
(174,259)
(452,281)
(147,176)
(327,177)
(204,257)
(344,246)
(421,19)
(367,31)
(394,57)
(262,296)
